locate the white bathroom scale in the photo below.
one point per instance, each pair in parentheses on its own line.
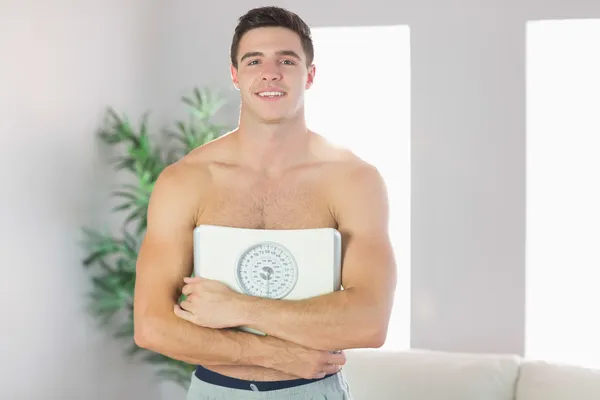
(290,264)
(278,264)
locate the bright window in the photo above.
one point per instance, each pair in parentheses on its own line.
(361,100)
(563,191)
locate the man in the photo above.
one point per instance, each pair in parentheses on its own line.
(271,172)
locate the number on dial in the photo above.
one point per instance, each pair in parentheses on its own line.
(267,270)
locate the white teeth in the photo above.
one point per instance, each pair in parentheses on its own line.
(271,94)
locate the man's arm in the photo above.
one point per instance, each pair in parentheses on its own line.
(358,316)
(164,259)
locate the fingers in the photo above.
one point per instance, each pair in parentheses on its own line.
(181,313)
(331,369)
(318,375)
(329,363)
(326,369)
(187,290)
(189,287)
(186,305)
(336,358)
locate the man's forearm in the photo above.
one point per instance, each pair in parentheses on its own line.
(184,341)
(338,321)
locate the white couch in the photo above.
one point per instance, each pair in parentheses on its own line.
(430,375)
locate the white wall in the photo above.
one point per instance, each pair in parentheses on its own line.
(62,62)
(468,135)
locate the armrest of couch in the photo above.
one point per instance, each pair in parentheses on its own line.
(428,375)
(540,380)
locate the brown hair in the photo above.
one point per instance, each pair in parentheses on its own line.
(272,16)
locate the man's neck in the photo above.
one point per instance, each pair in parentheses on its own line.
(274,147)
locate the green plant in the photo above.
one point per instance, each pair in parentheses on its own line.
(111,259)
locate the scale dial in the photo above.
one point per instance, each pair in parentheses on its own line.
(268,270)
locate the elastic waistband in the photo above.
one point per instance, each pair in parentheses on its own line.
(215,378)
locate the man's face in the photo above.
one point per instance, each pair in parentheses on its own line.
(272,74)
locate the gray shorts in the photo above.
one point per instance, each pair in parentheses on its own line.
(333,387)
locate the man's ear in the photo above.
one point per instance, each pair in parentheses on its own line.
(234,76)
(311,76)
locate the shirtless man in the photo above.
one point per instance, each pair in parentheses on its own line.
(271,172)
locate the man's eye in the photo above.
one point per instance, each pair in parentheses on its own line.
(252,62)
(289,62)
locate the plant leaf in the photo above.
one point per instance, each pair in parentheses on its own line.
(111,259)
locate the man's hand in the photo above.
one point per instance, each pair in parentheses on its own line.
(301,361)
(210,304)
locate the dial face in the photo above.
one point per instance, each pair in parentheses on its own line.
(267,270)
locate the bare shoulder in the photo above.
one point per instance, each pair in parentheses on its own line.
(358,175)
(361,196)
(184,186)
(180,182)
(348,173)
(357,188)
(196,164)
(345,162)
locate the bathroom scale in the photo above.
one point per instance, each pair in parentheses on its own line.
(291,264)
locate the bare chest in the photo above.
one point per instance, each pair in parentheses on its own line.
(268,205)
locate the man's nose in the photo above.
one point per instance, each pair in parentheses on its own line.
(271,73)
